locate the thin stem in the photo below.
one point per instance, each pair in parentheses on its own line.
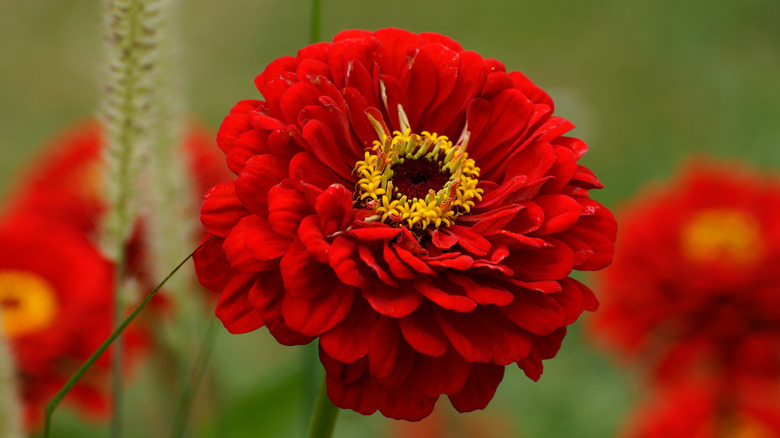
(116,364)
(189,392)
(55,401)
(316,7)
(324,417)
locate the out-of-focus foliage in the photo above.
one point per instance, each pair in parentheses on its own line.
(646,82)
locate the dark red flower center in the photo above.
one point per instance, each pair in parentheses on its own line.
(416,178)
(415,181)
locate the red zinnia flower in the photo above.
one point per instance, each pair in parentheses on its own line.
(414,206)
(56,299)
(695,278)
(699,411)
(55,288)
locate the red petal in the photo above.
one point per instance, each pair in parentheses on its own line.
(222,209)
(211,266)
(509,114)
(234,308)
(309,176)
(303,275)
(362,396)
(310,234)
(390,358)
(479,388)
(466,335)
(237,253)
(481,293)
(423,333)
(260,174)
(286,209)
(397,267)
(536,312)
(406,402)
(367,256)
(445,300)
(560,213)
(412,261)
(313,317)
(590,302)
(343,257)
(262,241)
(395,302)
(373,231)
(441,375)
(549,263)
(322,143)
(349,340)
(443,240)
(266,297)
(470,240)
(231,128)
(343,372)
(333,207)
(246,146)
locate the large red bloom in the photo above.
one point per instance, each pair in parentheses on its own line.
(694,285)
(413,206)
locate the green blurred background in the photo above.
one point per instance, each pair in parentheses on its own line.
(648,83)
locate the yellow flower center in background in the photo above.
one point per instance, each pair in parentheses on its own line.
(27,302)
(739,426)
(722,235)
(417,180)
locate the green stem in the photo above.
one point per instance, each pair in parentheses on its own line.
(316,7)
(189,392)
(55,401)
(324,417)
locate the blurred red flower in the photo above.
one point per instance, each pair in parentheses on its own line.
(66,185)
(56,289)
(694,286)
(413,206)
(56,303)
(700,411)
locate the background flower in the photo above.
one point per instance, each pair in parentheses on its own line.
(56,295)
(410,298)
(697,410)
(694,281)
(56,289)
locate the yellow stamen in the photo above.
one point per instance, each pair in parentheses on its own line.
(722,235)
(27,301)
(377,191)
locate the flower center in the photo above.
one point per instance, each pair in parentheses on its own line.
(27,302)
(417,180)
(721,235)
(743,427)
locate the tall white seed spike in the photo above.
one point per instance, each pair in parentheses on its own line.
(131,49)
(170,197)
